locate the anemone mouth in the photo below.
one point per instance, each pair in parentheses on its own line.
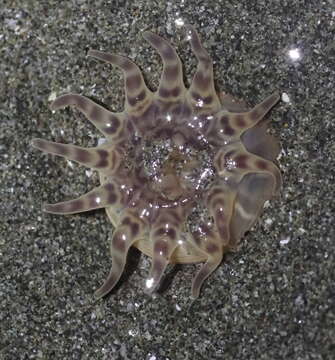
(175,168)
(182,178)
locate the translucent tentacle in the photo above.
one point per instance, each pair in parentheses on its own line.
(208,241)
(202,90)
(137,93)
(101,158)
(102,196)
(171,84)
(214,239)
(163,247)
(234,163)
(230,125)
(109,123)
(164,236)
(251,118)
(220,202)
(252,192)
(130,229)
(207,268)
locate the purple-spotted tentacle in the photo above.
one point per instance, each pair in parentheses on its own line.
(109,123)
(127,232)
(106,160)
(102,196)
(214,239)
(208,241)
(206,269)
(163,248)
(171,85)
(138,96)
(229,125)
(234,163)
(202,90)
(249,119)
(220,203)
(164,236)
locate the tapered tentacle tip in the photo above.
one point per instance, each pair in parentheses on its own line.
(53,208)
(206,269)
(147,34)
(200,277)
(159,264)
(101,292)
(271,100)
(37,143)
(103,56)
(275,96)
(195,289)
(91,52)
(63,100)
(152,38)
(66,207)
(97,54)
(108,285)
(47,208)
(44,145)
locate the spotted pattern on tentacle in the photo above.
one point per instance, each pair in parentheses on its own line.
(130,229)
(171,85)
(183,174)
(102,158)
(110,124)
(202,91)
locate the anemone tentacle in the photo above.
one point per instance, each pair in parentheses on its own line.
(109,123)
(206,269)
(202,90)
(102,158)
(137,93)
(220,203)
(102,196)
(165,237)
(130,229)
(228,125)
(171,86)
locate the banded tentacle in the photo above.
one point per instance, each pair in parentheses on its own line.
(109,123)
(130,229)
(202,91)
(208,241)
(106,159)
(138,96)
(165,237)
(220,203)
(109,194)
(171,87)
(229,125)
